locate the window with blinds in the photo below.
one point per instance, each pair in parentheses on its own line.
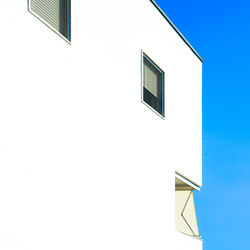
(54,13)
(153,85)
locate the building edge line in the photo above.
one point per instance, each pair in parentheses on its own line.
(176,30)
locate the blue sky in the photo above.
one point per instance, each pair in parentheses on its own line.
(220,32)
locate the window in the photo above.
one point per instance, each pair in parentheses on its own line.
(152,85)
(54,13)
(185,214)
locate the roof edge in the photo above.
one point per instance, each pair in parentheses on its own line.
(175,29)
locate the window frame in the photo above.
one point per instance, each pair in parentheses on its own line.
(143,54)
(68,38)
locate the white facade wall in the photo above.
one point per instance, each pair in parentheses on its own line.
(83,163)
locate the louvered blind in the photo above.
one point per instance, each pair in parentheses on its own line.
(150,80)
(53,12)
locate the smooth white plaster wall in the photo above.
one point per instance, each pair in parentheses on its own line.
(83,163)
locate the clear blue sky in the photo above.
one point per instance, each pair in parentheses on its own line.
(220,32)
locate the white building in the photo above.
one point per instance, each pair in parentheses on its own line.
(97,127)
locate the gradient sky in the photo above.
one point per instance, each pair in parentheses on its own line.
(219,30)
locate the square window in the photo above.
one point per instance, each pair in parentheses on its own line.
(55,14)
(153,85)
